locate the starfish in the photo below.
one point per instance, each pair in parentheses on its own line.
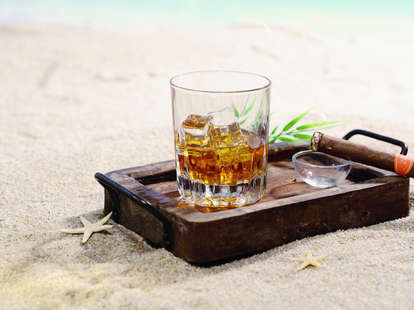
(89,228)
(309,260)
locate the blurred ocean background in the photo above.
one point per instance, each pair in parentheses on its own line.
(366,14)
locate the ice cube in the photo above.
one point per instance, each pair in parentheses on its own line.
(223,117)
(196,121)
(253,140)
(226,136)
(225,130)
(194,130)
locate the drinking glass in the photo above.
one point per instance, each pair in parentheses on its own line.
(221,129)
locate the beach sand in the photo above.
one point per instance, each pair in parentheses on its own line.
(75,101)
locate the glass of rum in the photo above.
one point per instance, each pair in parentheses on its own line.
(221,129)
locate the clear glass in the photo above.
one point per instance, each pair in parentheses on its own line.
(321,170)
(221,121)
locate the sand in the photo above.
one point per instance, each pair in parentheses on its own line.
(75,101)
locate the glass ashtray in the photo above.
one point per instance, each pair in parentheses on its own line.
(320,169)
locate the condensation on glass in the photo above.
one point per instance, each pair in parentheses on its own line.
(221,131)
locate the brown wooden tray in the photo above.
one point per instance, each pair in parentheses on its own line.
(144,199)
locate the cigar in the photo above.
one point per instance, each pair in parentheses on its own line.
(400,164)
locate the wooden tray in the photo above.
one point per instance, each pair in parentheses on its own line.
(144,199)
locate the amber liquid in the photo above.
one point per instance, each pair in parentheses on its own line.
(219,165)
(225,166)
(221,175)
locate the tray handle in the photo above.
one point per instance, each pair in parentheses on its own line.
(115,189)
(362,132)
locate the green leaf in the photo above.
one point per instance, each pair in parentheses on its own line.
(243,121)
(236,112)
(259,115)
(294,121)
(274,130)
(302,136)
(250,107)
(290,140)
(254,125)
(308,127)
(273,140)
(260,112)
(261,104)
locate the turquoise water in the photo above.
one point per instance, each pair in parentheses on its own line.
(128,12)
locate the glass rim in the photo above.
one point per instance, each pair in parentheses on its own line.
(343,162)
(268,82)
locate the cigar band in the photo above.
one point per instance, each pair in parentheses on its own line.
(403,164)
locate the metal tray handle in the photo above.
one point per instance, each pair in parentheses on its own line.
(362,132)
